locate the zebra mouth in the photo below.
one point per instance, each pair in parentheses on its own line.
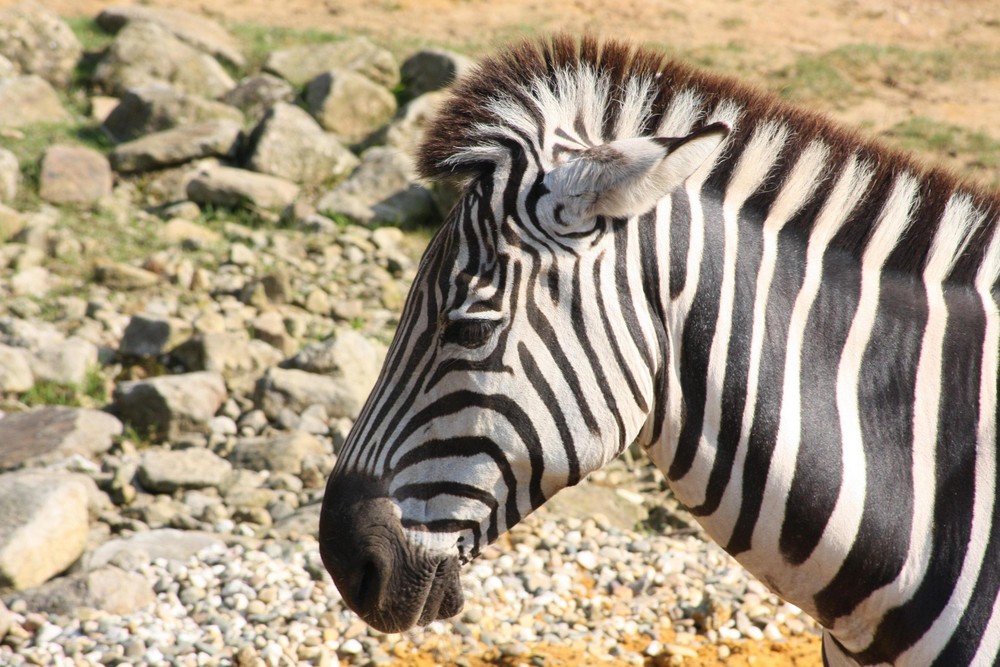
(391,583)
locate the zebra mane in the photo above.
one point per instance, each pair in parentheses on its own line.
(612,90)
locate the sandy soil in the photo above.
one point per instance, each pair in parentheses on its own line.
(770,33)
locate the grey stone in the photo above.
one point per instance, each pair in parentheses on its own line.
(39,42)
(15,372)
(270,328)
(74,175)
(10,176)
(169,544)
(51,433)
(586,500)
(144,53)
(43,525)
(11,223)
(256,94)
(170,404)
(406,130)
(231,187)
(108,589)
(66,362)
(303,521)
(345,354)
(178,231)
(169,470)
(382,188)
(282,453)
(158,107)
(117,275)
(230,353)
(6,620)
(151,336)
(432,69)
(7,68)
(288,143)
(281,388)
(27,100)
(214,138)
(348,104)
(197,30)
(299,64)
(34,281)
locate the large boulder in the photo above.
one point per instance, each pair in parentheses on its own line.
(10,176)
(170,404)
(74,175)
(152,335)
(349,104)
(157,107)
(432,69)
(280,453)
(169,470)
(27,100)
(295,390)
(169,544)
(214,138)
(15,372)
(65,362)
(197,30)
(108,589)
(289,144)
(406,130)
(256,94)
(43,525)
(51,433)
(39,42)
(144,53)
(231,187)
(299,64)
(230,353)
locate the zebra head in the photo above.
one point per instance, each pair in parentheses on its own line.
(530,349)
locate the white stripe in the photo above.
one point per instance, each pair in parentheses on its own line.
(989,647)
(855,631)
(759,155)
(937,636)
(681,115)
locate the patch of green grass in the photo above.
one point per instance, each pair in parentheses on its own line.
(92,37)
(852,71)
(92,391)
(258,41)
(975,151)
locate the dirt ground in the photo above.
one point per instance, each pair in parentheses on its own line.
(765,34)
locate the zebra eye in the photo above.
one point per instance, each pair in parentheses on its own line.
(468,333)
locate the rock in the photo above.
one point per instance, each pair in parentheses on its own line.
(289,144)
(6,620)
(158,107)
(169,470)
(7,68)
(406,130)
(15,375)
(43,525)
(39,42)
(10,176)
(346,354)
(108,589)
(34,281)
(101,107)
(348,104)
(27,100)
(256,94)
(189,234)
(295,390)
(432,69)
(66,362)
(585,500)
(122,276)
(197,30)
(270,328)
(51,433)
(151,336)
(299,64)
(215,138)
(231,187)
(230,353)
(170,404)
(169,544)
(283,453)
(11,223)
(303,521)
(382,188)
(144,53)
(74,175)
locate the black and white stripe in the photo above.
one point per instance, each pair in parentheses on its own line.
(803,331)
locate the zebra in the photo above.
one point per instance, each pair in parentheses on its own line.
(798,325)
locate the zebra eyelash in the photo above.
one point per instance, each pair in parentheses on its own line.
(468,333)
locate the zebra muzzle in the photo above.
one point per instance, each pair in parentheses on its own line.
(388,581)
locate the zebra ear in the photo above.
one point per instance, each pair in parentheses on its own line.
(628,177)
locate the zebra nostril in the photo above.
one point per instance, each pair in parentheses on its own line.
(369,586)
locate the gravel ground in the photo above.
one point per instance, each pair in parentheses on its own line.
(609,594)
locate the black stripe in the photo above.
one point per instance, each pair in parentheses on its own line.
(551,403)
(680,239)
